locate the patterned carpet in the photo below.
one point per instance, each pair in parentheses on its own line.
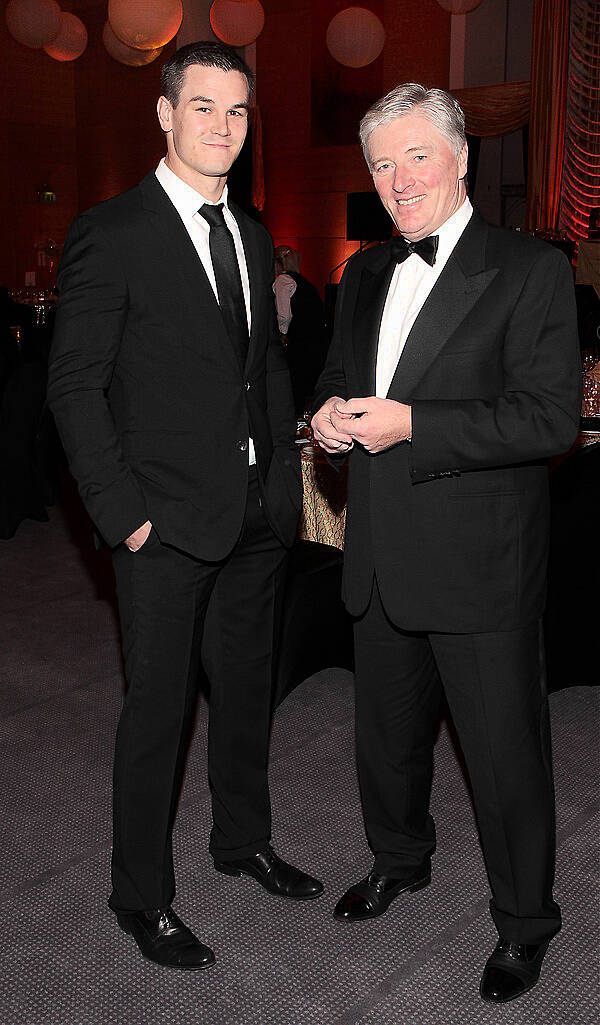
(66,963)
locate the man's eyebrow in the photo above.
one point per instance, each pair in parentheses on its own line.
(207,99)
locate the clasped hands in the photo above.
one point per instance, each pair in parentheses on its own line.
(375,423)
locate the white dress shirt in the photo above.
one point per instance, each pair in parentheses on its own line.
(410,286)
(187,202)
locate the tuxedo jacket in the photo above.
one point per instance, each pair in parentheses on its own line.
(455,523)
(148,391)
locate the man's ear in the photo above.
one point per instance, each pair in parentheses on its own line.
(164,111)
(463,158)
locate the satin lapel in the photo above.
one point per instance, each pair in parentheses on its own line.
(372,292)
(180,251)
(253,266)
(461,284)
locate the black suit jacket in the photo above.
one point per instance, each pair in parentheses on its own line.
(456,523)
(149,394)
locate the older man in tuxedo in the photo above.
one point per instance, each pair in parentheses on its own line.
(453,376)
(171,393)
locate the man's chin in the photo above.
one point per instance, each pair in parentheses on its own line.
(412,233)
(216,170)
(410,228)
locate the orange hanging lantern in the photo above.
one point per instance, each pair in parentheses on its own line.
(127,54)
(237,22)
(355,37)
(143,25)
(33,23)
(71,40)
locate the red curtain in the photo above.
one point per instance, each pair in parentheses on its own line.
(258,170)
(581,172)
(549,67)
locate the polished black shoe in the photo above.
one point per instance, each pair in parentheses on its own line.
(511,970)
(274,875)
(373,895)
(163,938)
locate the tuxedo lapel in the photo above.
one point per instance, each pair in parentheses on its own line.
(180,251)
(372,293)
(461,284)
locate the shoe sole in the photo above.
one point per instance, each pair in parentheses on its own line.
(224,869)
(420,884)
(177,967)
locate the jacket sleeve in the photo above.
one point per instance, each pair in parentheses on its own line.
(537,414)
(91,315)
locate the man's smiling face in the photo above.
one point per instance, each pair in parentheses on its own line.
(206,130)
(417,174)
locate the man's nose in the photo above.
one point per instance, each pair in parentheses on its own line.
(221,125)
(403,179)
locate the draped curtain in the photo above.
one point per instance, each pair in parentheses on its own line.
(549,68)
(581,172)
(258,171)
(495,109)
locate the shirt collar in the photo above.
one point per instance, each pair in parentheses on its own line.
(186,200)
(450,231)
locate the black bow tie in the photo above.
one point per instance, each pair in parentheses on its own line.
(426,248)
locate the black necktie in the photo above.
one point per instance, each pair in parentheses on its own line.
(426,248)
(227,275)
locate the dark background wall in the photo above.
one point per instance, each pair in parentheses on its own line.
(88,128)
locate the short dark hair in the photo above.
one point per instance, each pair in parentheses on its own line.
(207,53)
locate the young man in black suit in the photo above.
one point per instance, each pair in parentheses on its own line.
(170,390)
(452,377)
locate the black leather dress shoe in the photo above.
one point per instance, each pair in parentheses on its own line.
(372,896)
(511,970)
(163,938)
(274,875)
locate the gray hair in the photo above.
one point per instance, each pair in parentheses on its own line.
(436,105)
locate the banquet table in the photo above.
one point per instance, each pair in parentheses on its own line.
(571,617)
(323,516)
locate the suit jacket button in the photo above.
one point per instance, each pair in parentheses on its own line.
(242,445)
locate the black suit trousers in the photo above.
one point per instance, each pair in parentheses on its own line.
(495,688)
(163,598)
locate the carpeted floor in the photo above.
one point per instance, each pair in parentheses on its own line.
(64,961)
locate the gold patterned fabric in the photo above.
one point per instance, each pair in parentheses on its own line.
(323,516)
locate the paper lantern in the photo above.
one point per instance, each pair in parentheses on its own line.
(33,22)
(127,54)
(459,6)
(355,37)
(144,25)
(237,22)
(71,40)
